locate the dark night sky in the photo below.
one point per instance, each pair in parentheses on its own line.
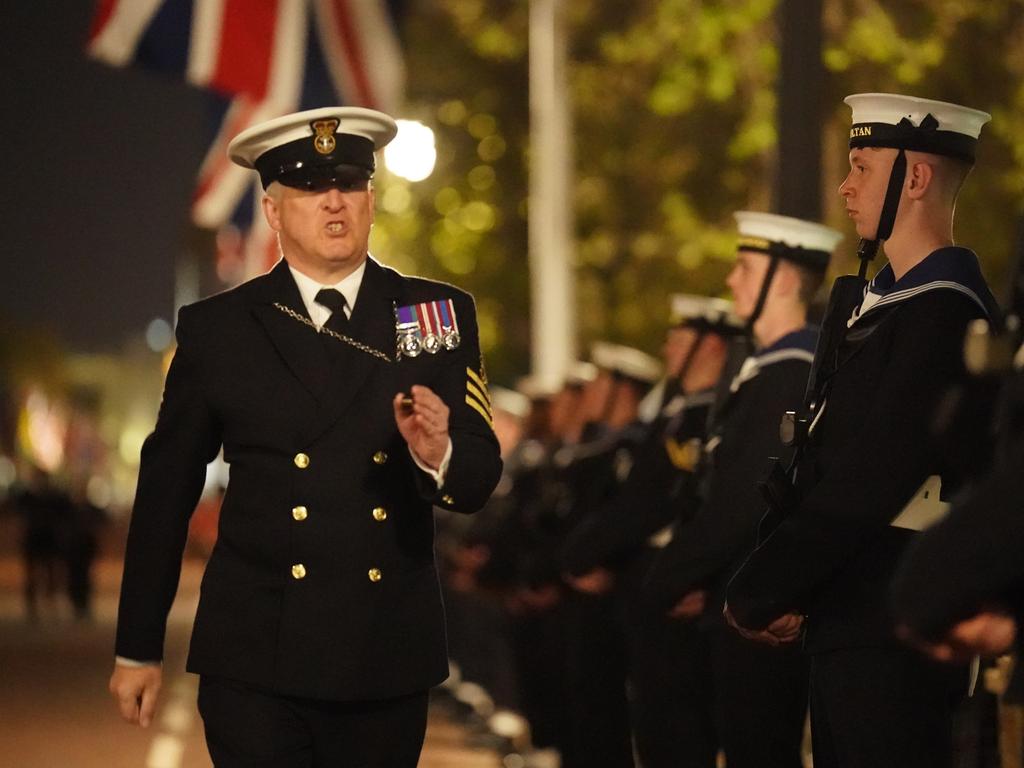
(99,166)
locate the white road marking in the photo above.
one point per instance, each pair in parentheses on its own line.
(165,752)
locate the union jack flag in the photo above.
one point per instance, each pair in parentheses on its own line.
(259,59)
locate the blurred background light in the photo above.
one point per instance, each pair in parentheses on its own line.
(413,153)
(159,334)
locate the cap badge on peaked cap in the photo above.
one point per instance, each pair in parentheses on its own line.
(323,141)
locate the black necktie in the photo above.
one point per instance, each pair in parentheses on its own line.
(334,300)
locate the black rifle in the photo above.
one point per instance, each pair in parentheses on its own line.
(847,293)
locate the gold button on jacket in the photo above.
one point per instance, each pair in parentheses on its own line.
(375,574)
(301,460)
(300,513)
(380,457)
(447,499)
(380,514)
(298,571)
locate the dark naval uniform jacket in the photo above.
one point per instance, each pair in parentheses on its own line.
(322,583)
(705,549)
(970,560)
(870,450)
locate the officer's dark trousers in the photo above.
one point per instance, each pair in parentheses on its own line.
(882,708)
(247,727)
(760,700)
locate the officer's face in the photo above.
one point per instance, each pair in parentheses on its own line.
(323,233)
(745,281)
(863,191)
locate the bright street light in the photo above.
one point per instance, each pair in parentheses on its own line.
(412,153)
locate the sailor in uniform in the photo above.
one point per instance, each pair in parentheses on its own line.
(760,692)
(537,599)
(595,645)
(873,701)
(669,680)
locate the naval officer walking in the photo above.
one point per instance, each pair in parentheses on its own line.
(347,399)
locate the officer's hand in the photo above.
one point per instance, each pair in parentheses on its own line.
(989,633)
(595,582)
(690,606)
(135,690)
(424,426)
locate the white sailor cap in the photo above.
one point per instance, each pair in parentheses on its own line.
(704,313)
(537,387)
(315,148)
(804,242)
(579,373)
(922,125)
(511,402)
(625,361)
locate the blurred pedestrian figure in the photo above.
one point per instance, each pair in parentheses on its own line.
(46,514)
(79,547)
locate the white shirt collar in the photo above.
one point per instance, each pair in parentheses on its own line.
(308,289)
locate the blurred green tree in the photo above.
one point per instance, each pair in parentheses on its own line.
(675,128)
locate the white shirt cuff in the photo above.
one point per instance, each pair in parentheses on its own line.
(134,663)
(439,473)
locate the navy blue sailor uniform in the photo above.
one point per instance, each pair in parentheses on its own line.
(668,674)
(595,659)
(871,448)
(322,583)
(759,692)
(659,478)
(738,449)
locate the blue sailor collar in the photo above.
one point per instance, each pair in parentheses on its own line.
(795,345)
(952,269)
(800,343)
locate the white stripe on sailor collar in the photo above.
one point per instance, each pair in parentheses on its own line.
(908,293)
(754,364)
(680,403)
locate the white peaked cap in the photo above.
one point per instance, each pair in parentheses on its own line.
(253,142)
(690,308)
(580,372)
(908,122)
(625,361)
(513,403)
(791,232)
(329,136)
(890,108)
(538,387)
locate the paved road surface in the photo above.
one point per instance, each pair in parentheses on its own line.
(55,711)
